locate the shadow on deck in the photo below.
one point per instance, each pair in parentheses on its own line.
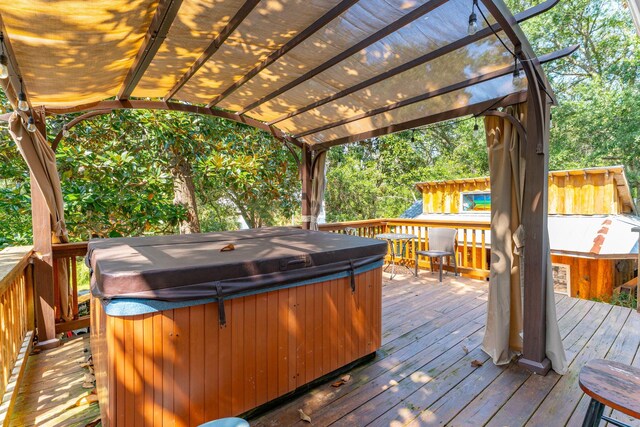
(422,375)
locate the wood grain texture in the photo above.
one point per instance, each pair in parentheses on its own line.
(14,270)
(181,364)
(420,374)
(615,384)
(570,192)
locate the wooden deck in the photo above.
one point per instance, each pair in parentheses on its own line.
(421,376)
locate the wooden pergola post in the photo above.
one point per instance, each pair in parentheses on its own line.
(305,176)
(534,220)
(43,272)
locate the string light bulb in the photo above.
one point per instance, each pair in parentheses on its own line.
(4,69)
(65,131)
(517,76)
(473,20)
(23,105)
(413,135)
(550,120)
(476,128)
(31,124)
(4,61)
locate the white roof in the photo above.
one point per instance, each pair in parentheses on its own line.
(591,235)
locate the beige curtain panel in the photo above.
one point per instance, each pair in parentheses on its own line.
(503,336)
(318,183)
(42,163)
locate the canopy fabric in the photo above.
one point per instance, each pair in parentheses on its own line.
(503,335)
(318,70)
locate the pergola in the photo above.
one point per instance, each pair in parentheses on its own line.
(314,74)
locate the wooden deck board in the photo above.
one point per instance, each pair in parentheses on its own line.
(51,386)
(422,375)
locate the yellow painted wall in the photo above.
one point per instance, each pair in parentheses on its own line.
(584,194)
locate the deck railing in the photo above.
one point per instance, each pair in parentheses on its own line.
(472,255)
(71,255)
(473,249)
(16,320)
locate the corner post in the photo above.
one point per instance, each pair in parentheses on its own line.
(637,230)
(534,219)
(43,273)
(305,176)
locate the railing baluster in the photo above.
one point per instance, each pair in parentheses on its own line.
(484,251)
(74,286)
(474,249)
(465,250)
(56,292)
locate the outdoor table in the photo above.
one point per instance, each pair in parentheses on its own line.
(398,245)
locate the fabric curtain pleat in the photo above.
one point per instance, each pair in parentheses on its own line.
(41,160)
(318,182)
(504,327)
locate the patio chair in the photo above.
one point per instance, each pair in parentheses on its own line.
(442,243)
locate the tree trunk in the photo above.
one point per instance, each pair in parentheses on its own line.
(185,195)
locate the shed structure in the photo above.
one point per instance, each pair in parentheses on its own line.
(591,217)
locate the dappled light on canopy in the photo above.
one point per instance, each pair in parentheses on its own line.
(315,72)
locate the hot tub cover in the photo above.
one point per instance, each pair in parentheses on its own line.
(189,267)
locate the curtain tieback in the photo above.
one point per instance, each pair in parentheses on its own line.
(518,240)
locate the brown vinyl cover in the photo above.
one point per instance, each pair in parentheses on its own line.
(185,267)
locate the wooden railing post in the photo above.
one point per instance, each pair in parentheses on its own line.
(43,261)
(637,230)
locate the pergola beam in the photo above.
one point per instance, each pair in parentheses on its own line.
(510,26)
(107,106)
(166,12)
(437,53)
(274,56)
(373,38)
(224,34)
(72,123)
(438,92)
(475,109)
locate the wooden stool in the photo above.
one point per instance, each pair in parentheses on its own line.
(611,384)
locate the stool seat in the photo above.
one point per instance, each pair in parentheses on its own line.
(613,384)
(226,422)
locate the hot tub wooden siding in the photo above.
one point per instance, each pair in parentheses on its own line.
(178,367)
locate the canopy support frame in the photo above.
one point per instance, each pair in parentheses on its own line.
(421,60)
(535,198)
(43,263)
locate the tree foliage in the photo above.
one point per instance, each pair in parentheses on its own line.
(146,172)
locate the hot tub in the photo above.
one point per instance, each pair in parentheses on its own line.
(182,332)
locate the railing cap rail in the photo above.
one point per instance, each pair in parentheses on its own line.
(13,261)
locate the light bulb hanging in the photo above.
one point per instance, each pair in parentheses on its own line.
(550,120)
(4,61)
(473,20)
(413,135)
(476,128)
(31,124)
(23,105)
(517,76)
(65,131)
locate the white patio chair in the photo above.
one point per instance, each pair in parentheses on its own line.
(442,243)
